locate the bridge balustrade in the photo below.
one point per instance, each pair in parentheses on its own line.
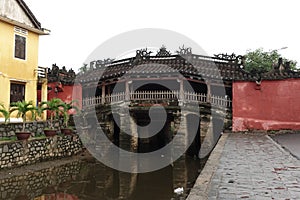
(190,97)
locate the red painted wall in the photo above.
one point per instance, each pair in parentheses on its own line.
(274,105)
(66,93)
(39,95)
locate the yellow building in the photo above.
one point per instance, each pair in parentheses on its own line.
(19,40)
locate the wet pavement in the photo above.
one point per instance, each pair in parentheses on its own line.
(248,166)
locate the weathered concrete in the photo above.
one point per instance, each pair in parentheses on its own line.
(13,11)
(248,166)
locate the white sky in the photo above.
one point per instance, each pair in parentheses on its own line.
(78,27)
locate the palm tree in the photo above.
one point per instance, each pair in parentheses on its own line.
(4,112)
(67,107)
(23,107)
(54,107)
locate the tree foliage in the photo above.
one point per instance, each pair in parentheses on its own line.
(22,107)
(67,107)
(55,107)
(83,68)
(4,112)
(260,61)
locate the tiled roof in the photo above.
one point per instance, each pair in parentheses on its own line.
(279,75)
(195,66)
(221,67)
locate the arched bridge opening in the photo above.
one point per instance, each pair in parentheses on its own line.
(157,138)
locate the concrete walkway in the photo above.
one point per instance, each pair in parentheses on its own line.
(248,166)
(290,142)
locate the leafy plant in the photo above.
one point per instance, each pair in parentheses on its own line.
(261,61)
(23,107)
(54,107)
(67,107)
(4,112)
(39,111)
(11,138)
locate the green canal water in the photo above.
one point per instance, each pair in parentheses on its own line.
(88,179)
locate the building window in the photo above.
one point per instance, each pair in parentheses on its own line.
(20,47)
(17,92)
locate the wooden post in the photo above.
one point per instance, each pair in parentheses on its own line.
(108,89)
(208,96)
(127,91)
(103,94)
(181,91)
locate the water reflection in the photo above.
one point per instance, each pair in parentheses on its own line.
(91,180)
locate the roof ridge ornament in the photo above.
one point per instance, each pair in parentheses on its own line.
(97,64)
(163,51)
(238,59)
(225,56)
(184,50)
(57,74)
(143,53)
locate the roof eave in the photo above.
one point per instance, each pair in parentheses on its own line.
(41,31)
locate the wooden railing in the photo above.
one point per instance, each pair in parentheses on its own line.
(195,97)
(189,97)
(154,95)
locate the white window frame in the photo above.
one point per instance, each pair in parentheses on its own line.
(22,33)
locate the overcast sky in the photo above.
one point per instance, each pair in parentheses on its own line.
(78,27)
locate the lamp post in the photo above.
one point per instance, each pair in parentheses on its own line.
(282,48)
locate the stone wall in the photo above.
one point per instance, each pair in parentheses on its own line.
(37,183)
(16,153)
(36,128)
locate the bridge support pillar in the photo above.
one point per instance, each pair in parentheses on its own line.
(127,184)
(208,139)
(128,133)
(212,135)
(180,174)
(181,134)
(128,142)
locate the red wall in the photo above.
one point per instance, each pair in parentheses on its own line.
(66,93)
(274,105)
